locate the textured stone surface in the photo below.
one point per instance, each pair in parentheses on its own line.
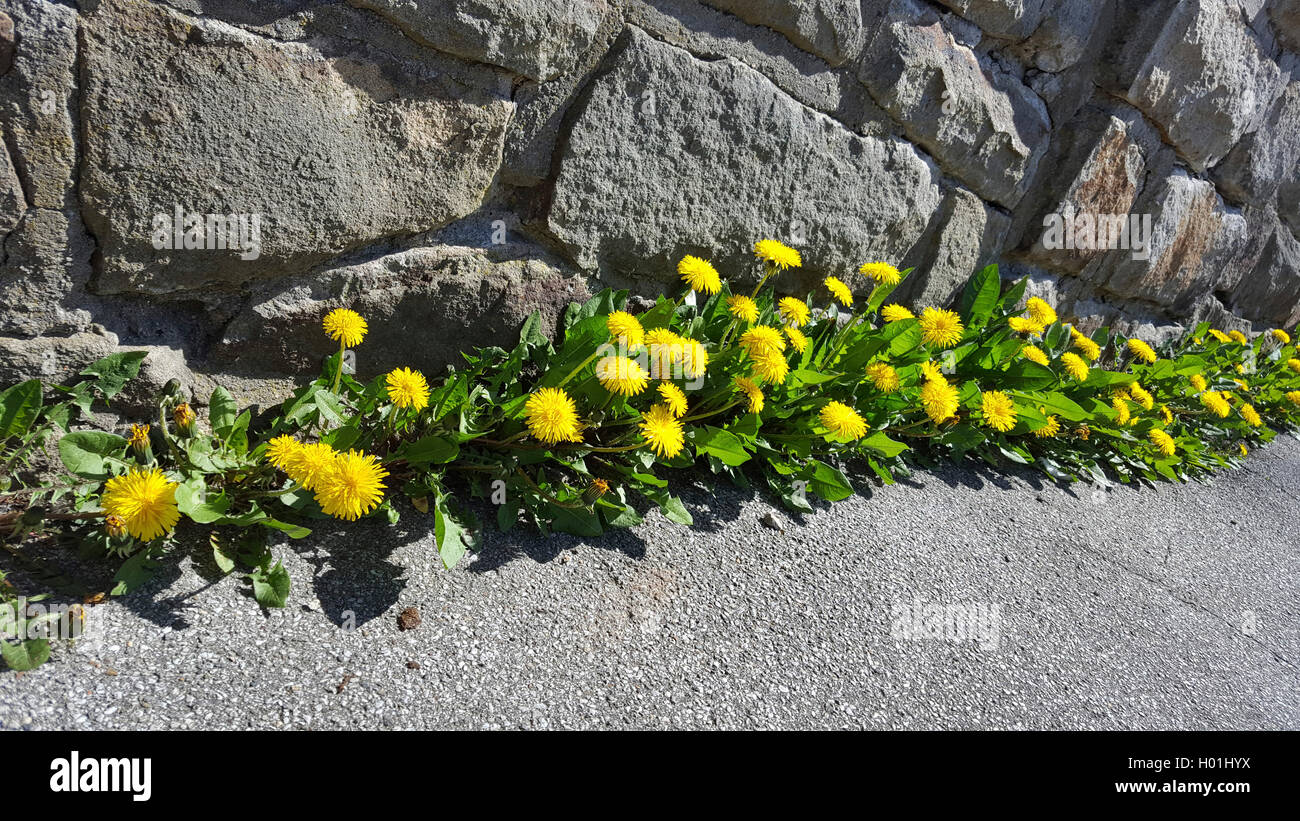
(967,236)
(714,157)
(831,29)
(1259,163)
(1268,292)
(335,145)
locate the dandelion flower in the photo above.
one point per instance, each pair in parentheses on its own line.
(345,327)
(1141,350)
(674,398)
(881,272)
(842,421)
(1075,366)
(408,389)
(699,274)
(1090,349)
(1049,429)
(308,464)
(665,350)
(1251,415)
(1281,336)
(662,431)
(354,486)
(620,375)
(1241,446)
(144,500)
(626,329)
(552,416)
(1219,335)
(1025,325)
(760,338)
(1167,414)
(1198,382)
(1083,432)
(842,293)
(798,340)
(1216,403)
(1238,337)
(743,308)
(894,312)
(1034,354)
(1122,413)
(280,450)
(1162,440)
(929,370)
(183,416)
(1042,313)
(1293,397)
(940,328)
(695,360)
(1141,395)
(883,376)
(754,394)
(939,400)
(794,311)
(777,253)
(998,409)
(1293,364)
(770,366)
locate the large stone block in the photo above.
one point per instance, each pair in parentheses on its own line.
(1263,159)
(968,235)
(1271,292)
(671,155)
(334,144)
(982,126)
(831,29)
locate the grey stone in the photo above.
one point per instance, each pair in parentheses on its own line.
(1271,292)
(968,236)
(6,42)
(1206,80)
(1285,17)
(334,145)
(12,202)
(831,29)
(982,126)
(1258,164)
(714,157)
(1063,37)
(46,260)
(539,39)
(1007,19)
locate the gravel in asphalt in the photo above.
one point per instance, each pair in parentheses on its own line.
(1065,608)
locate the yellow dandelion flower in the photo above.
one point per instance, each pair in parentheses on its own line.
(1090,349)
(1042,313)
(777,253)
(1083,432)
(1198,382)
(695,360)
(145,502)
(1025,325)
(1162,440)
(1241,446)
(1141,350)
(1241,383)
(1142,396)
(620,375)
(1216,403)
(662,431)
(280,450)
(1251,415)
(1075,366)
(760,338)
(939,400)
(666,350)
(699,275)
(626,329)
(1050,429)
(743,308)
(793,311)
(940,328)
(929,370)
(552,416)
(183,416)
(754,394)
(1122,413)
(1238,337)
(139,439)
(674,398)
(1280,336)
(1293,364)
(408,388)
(1167,414)
(998,410)
(842,421)
(770,366)
(883,376)
(353,487)
(894,312)
(1293,397)
(798,340)
(1034,354)
(1219,335)
(881,272)
(842,293)
(346,327)
(308,464)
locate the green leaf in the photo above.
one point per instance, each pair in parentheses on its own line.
(222,411)
(83,452)
(883,445)
(25,655)
(271,586)
(1021,375)
(135,571)
(578,521)
(803,376)
(725,445)
(829,483)
(289,529)
(115,370)
(981,296)
(435,450)
(19,408)
(448,533)
(222,555)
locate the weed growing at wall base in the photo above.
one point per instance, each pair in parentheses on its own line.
(578,433)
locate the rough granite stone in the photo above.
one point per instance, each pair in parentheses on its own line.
(831,29)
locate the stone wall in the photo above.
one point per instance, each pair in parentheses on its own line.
(448,166)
